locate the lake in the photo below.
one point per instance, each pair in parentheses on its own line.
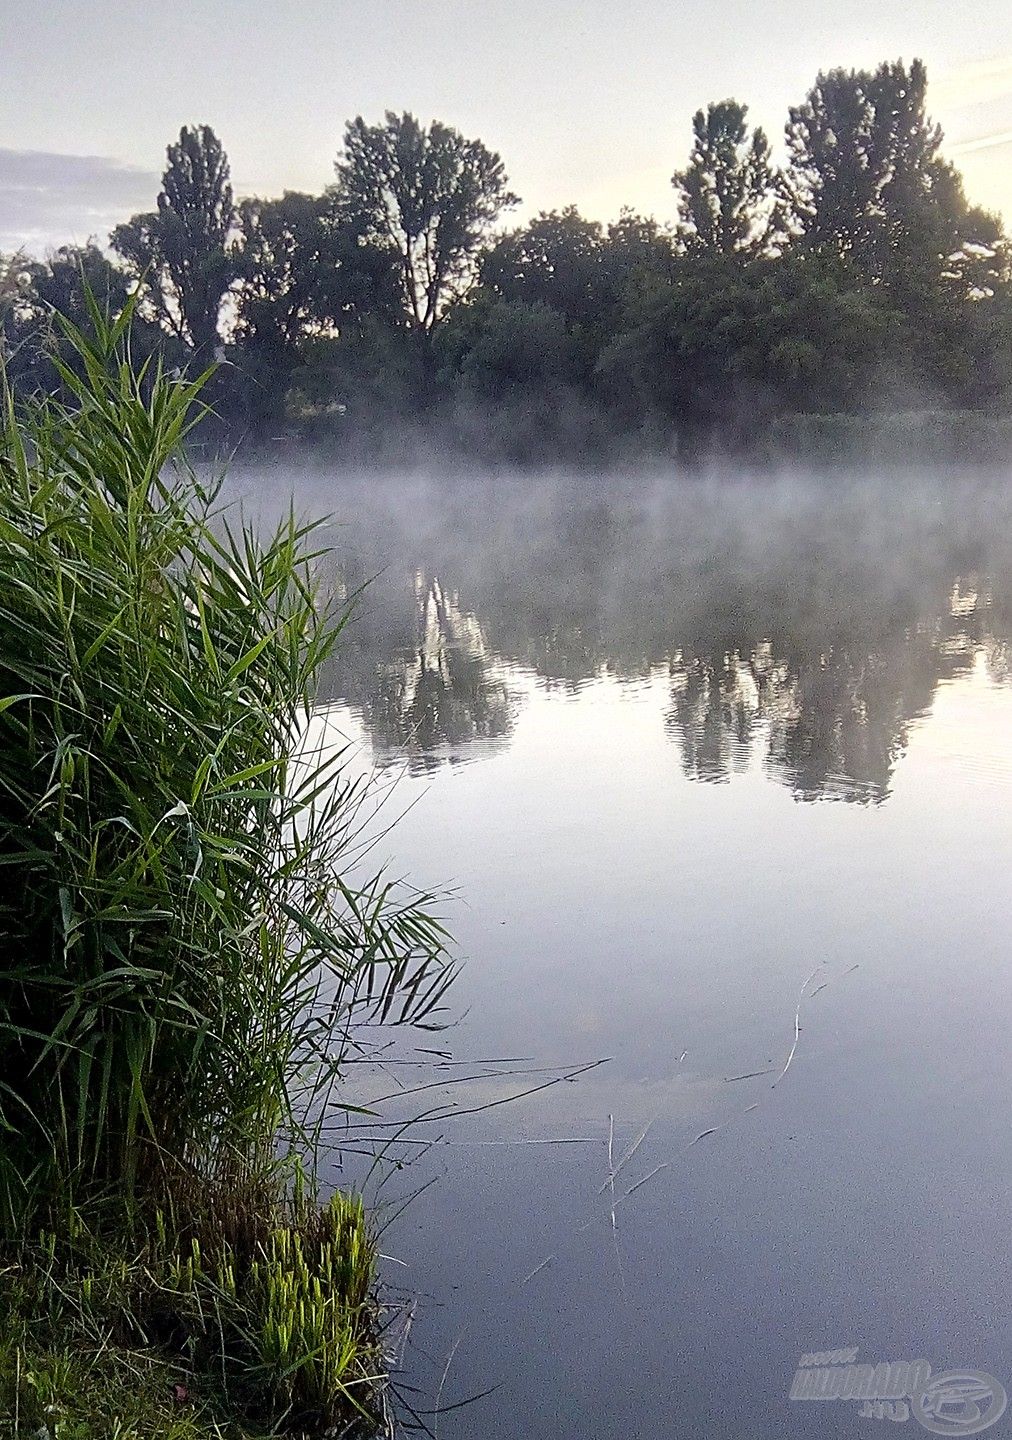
(719,771)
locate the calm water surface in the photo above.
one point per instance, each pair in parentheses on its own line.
(720,773)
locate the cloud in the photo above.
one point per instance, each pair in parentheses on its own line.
(49,199)
(982,142)
(976,83)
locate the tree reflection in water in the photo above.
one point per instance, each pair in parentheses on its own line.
(802,627)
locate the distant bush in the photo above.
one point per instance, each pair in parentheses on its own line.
(907,437)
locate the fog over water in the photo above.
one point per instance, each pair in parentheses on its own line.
(719,770)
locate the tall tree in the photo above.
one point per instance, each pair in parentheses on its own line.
(302,270)
(430,194)
(182,252)
(728,197)
(866,179)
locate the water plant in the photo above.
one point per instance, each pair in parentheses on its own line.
(187,945)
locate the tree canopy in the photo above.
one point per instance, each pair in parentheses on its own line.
(866,178)
(430,196)
(857,277)
(728,194)
(180,253)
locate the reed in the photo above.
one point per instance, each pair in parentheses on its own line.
(188,944)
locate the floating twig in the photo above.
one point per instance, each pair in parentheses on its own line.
(537,1270)
(797,1025)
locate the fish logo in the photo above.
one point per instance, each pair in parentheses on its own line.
(959,1402)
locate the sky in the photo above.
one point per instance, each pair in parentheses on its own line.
(588,101)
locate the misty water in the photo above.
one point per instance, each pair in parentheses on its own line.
(719,772)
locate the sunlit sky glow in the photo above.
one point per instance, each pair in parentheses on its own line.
(588,101)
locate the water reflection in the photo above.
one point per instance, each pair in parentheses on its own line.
(830,724)
(659,669)
(428,699)
(799,631)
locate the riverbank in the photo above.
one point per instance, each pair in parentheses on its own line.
(559,432)
(247,1318)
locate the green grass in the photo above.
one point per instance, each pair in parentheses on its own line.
(188,946)
(254,1315)
(98,1394)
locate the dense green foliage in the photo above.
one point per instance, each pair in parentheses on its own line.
(728,200)
(856,276)
(188,943)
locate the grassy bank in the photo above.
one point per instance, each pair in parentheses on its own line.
(186,953)
(246,1319)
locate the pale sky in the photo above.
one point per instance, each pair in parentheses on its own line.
(588,101)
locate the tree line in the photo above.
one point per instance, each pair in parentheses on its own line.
(854,276)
